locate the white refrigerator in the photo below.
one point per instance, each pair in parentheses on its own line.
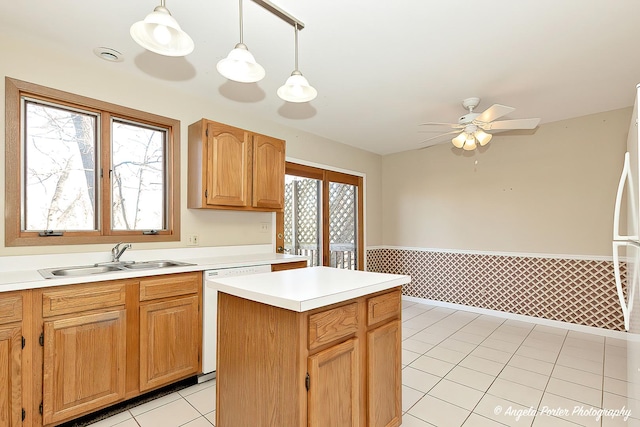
(626,256)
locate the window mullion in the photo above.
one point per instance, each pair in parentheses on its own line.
(104,212)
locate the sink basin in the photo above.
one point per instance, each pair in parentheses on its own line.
(87,270)
(153,264)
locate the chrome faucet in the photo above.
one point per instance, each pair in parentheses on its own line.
(117,252)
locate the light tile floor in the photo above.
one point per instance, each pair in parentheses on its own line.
(471,370)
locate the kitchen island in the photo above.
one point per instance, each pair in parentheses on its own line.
(309,347)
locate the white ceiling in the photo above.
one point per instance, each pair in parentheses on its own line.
(381,67)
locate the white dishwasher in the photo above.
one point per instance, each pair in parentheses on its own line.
(210,313)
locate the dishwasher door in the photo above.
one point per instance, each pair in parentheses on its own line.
(210,313)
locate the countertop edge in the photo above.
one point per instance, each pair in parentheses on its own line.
(274,298)
(33,279)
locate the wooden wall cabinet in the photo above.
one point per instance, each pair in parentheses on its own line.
(232,168)
(338,365)
(11,359)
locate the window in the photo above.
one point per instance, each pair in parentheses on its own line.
(84,171)
(322,217)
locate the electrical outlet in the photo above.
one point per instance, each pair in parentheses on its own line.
(193,240)
(264,227)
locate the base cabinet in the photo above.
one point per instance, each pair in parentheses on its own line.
(383,352)
(106,342)
(11,359)
(84,364)
(10,375)
(334,397)
(168,335)
(337,366)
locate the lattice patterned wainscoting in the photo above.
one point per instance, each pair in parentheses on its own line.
(569,290)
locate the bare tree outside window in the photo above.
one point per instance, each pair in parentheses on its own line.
(60,177)
(138,177)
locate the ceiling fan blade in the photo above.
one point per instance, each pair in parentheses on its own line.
(451,125)
(494,112)
(512,124)
(439,136)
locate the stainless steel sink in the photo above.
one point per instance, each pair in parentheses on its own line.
(88,270)
(84,270)
(153,264)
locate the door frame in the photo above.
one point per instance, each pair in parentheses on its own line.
(326,176)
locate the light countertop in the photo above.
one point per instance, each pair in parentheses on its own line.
(24,277)
(307,288)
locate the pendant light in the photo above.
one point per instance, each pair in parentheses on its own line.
(240,65)
(160,33)
(297,88)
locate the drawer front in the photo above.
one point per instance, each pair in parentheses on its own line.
(288,265)
(331,325)
(10,309)
(383,307)
(170,285)
(74,299)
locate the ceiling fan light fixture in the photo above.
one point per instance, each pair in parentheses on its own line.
(240,66)
(471,127)
(470,143)
(160,33)
(459,140)
(483,137)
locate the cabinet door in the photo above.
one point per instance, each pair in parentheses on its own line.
(169,345)
(268,172)
(384,375)
(84,364)
(228,160)
(10,384)
(334,392)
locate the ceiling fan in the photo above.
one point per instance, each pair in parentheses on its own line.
(471,128)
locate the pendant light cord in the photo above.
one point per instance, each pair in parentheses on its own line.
(241,29)
(295,26)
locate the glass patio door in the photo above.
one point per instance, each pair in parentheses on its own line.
(302,214)
(343,224)
(322,217)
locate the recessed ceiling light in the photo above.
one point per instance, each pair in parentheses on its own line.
(108,54)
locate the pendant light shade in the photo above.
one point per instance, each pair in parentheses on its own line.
(240,65)
(160,33)
(297,88)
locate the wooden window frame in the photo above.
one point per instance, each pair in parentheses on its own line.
(15,236)
(326,176)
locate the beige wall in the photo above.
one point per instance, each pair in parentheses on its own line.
(89,76)
(551,192)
